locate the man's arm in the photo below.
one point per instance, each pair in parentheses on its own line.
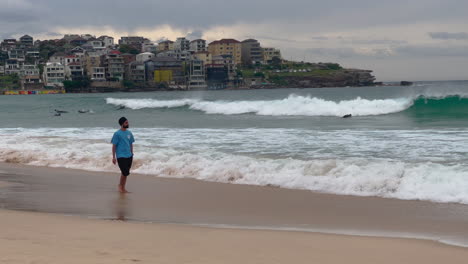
(113,154)
(131,148)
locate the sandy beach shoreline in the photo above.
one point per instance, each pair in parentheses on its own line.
(265,213)
(47,238)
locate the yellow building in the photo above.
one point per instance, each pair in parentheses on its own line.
(163,76)
(226,47)
(166,45)
(204,56)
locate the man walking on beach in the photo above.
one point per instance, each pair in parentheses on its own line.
(122,151)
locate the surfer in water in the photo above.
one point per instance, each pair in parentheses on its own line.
(122,151)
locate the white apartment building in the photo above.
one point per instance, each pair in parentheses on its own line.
(196,79)
(29,70)
(13,66)
(197,45)
(73,67)
(108,41)
(142,57)
(54,74)
(98,74)
(58,57)
(182,44)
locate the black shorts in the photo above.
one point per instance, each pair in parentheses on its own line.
(125,164)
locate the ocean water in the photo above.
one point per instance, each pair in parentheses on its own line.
(401,142)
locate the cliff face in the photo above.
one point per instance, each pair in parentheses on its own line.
(338,78)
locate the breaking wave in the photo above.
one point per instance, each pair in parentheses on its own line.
(293,105)
(422,180)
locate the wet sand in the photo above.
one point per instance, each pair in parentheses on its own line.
(47,238)
(3,184)
(187,201)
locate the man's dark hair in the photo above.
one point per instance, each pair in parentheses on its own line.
(122,120)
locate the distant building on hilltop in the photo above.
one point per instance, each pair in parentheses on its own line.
(165,70)
(134,42)
(8,44)
(113,62)
(252,53)
(165,45)
(230,47)
(27,41)
(182,44)
(270,53)
(196,78)
(108,41)
(204,56)
(197,45)
(142,57)
(54,74)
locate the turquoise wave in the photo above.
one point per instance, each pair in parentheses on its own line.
(449,107)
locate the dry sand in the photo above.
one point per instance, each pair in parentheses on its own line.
(41,238)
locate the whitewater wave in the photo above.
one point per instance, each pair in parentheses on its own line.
(149,103)
(293,105)
(423,180)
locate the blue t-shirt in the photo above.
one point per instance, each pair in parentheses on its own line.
(123,141)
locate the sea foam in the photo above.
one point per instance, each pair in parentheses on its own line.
(361,176)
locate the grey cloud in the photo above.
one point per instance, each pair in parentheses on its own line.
(197,34)
(54,34)
(202,14)
(448,35)
(433,51)
(333,52)
(161,39)
(374,41)
(319,38)
(260,37)
(407,51)
(12,17)
(341,53)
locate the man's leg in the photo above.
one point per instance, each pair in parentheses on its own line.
(123,181)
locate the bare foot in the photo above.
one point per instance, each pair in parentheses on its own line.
(121,189)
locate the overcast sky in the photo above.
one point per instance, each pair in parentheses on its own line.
(399,39)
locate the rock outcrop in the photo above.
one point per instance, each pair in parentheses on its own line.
(339,78)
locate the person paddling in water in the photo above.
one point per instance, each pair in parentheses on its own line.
(122,151)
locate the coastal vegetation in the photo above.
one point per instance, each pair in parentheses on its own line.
(76,84)
(300,74)
(11,81)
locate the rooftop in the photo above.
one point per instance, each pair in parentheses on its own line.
(249,40)
(225,41)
